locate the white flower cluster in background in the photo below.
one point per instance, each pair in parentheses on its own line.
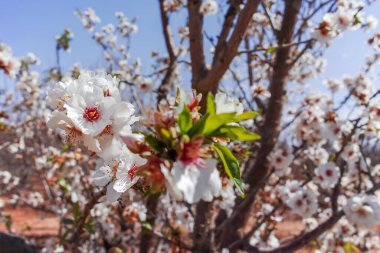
(8,62)
(88,18)
(363,210)
(89,110)
(301,200)
(209,7)
(347,16)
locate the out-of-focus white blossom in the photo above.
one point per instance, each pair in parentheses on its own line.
(363,210)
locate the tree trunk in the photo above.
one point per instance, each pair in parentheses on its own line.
(147,236)
(258,169)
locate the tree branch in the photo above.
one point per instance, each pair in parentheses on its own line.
(198,65)
(224,57)
(226,28)
(169,43)
(148,235)
(257,170)
(202,228)
(86,212)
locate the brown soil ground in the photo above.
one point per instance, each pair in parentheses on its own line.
(31,223)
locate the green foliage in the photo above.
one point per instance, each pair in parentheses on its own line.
(146,227)
(65,147)
(214,122)
(272,50)
(198,127)
(155,143)
(63,42)
(211,107)
(90,226)
(231,166)
(350,248)
(64,185)
(68,221)
(185,121)
(8,221)
(76,212)
(235,133)
(62,238)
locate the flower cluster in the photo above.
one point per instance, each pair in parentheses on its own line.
(301,200)
(183,147)
(8,63)
(89,110)
(280,160)
(209,7)
(363,210)
(180,153)
(125,27)
(88,18)
(347,16)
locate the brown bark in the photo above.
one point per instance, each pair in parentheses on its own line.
(228,23)
(223,58)
(147,236)
(172,65)
(204,81)
(75,237)
(198,65)
(258,169)
(202,237)
(272,123)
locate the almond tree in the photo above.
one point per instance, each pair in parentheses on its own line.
(220,168)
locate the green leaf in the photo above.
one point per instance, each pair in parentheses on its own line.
(8,222)
(76,212)
(211,108)
(68,221)
(185,121)
(62,239)
(350,248)
(64,185)
(231,166)
(165,133)
(65,147)
(89,226)
(198,127)
(146,228)
(272,50)
(235,133)
(218,120)
(155,143)
(166,137)
(215,121)
(246,116)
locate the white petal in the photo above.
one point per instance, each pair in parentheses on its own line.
(112,195)
(102,176)
(123,184)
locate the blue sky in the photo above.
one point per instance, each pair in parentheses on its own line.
(30,26)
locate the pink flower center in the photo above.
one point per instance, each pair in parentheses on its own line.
(299,202)
(342,21)
(325,28)
(378,110)
(329,173)
(143,86)
(91,114)
(132,171)
(106,93)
